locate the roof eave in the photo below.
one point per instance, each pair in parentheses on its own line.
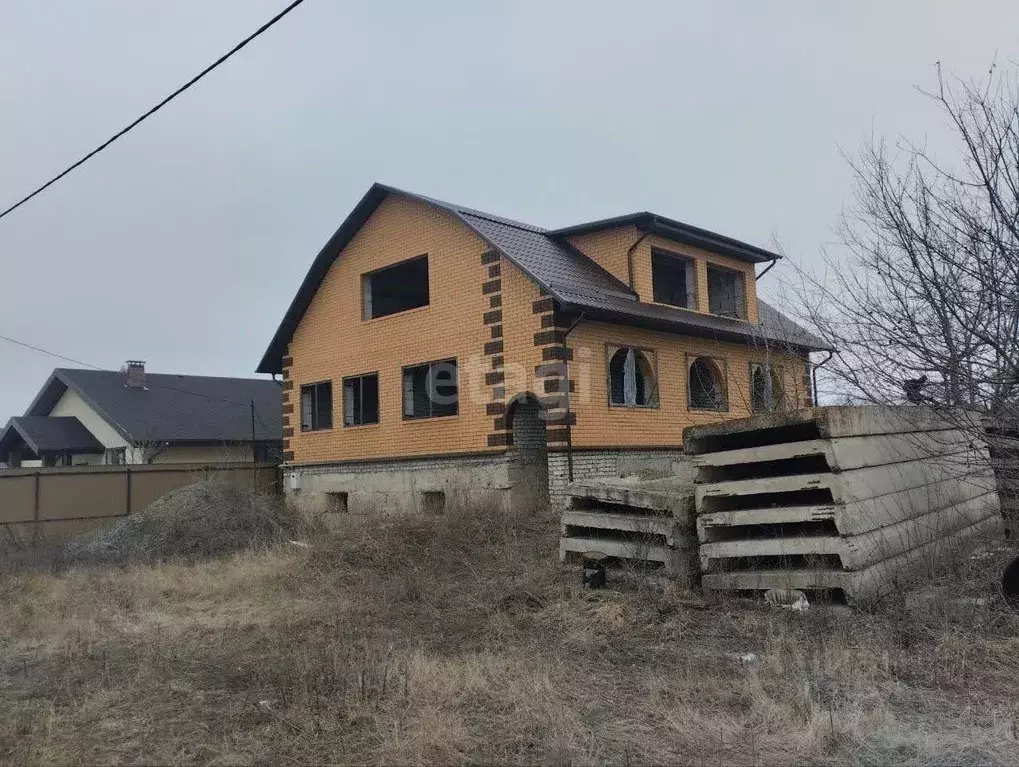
(678,232)
(47,396)
(13,424)
(710,241)
(272,360)
(679,327)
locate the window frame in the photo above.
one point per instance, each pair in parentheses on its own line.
(366,288)
(315,403)
(772,370)
(723,371)
(115,456)
(430,415)
(652,357)
(743,309)
(378,399)
(690,264)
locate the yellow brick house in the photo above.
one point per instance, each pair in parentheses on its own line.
(435,354)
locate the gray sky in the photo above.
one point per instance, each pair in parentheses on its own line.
(184,243)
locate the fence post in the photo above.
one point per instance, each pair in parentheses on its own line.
(127,506)
(35,526)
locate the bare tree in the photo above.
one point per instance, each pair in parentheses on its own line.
(925,307)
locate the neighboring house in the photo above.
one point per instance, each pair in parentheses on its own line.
(434,349)
(103,417)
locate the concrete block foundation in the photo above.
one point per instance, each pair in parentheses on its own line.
(518,480)
(411,486)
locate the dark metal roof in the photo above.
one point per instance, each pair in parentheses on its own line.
(44,434)
(172,408)
(553,265)
(773,330)
(571,277)
(678,231)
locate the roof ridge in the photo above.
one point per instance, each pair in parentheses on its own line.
(150,374)
(532,228)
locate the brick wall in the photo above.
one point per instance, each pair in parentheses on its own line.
(529,357)
(599,425)
(333,341)
(508,340)
(609,248)
(593,464)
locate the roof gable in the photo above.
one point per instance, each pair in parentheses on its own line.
(43,434)
(551,264)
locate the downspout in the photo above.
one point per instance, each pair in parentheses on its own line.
(629,257)
(569,426)
(766,270)
(813,374)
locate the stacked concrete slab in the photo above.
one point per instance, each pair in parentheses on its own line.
(838,498)
(636,522)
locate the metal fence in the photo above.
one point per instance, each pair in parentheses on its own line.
(62,502)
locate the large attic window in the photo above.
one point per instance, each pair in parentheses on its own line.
(672,279)
(395,289)
(725,292)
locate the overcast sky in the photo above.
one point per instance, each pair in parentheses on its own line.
(184,243)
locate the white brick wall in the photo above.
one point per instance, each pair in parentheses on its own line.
(588,464)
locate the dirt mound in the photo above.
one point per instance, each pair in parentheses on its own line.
(191,523)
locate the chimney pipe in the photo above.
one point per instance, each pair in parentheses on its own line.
(135,374)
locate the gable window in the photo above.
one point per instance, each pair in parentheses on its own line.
(725,292)
(765,388)
(361,400)
(396,288)
(673,279)
(632,381)
(706,385)
(430,390)
(317,406)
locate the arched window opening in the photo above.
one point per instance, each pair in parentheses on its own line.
(632,380)
(706,385)
(765,388)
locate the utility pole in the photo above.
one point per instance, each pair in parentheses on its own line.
(254,451)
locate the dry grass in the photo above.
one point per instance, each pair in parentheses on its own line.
(459,639)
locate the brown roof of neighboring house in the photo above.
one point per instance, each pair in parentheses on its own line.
(574,280)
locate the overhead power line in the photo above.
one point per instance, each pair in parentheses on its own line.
(156,108)
(45,351)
